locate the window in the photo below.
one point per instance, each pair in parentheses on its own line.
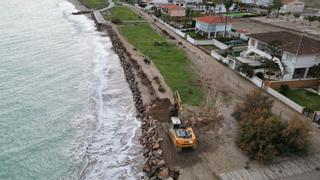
(299,73)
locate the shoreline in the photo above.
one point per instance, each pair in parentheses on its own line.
(145,98)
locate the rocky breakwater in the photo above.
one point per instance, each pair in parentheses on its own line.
(155,166)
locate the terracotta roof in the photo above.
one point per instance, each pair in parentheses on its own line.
(213,19)
(171,7)
(287,1)
(290,42)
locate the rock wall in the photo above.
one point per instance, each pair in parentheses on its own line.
(155,166)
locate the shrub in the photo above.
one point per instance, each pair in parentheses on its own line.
(247,70)
(255,102)
(116,21)
(284,88)
(260,75)
(263,136)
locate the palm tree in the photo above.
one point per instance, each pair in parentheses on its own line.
(188,14)
(277,4)
(227,5)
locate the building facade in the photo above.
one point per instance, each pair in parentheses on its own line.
(213,25)
(293,6)
(298,52)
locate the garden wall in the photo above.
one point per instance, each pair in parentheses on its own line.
(179,32)
(307,83)
(217,56)
(285,100)
(214,42)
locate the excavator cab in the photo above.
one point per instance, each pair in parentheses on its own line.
(181,136)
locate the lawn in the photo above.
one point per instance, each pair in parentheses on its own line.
(171,61)
(210,47)
(304,98)
(123,14)
(95,4)
(239,14)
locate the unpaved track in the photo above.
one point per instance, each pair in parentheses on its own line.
(219,74)
(226,157)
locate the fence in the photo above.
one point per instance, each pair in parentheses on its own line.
(285,100)
(214,42)
(217,56)
(179,32)
(305,83)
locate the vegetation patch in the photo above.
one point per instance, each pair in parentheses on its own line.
(122,13)
(303,97)
(95,4)
(264,136)
(171,61)
(196,36)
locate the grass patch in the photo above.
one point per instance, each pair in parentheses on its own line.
(196,36)
(171,61)
(235,14)
(210,47)
(123,14)
(304,98)
(95,4)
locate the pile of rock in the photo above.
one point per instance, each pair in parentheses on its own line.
(155,166)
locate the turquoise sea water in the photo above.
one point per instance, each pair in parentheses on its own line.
(66,111)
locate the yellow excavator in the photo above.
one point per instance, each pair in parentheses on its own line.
(181,136)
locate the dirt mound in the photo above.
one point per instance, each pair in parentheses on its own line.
(203,119)
(159,110)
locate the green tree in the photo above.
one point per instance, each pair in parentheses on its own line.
(311,19)
(227,5)
(247,70)
(269,10)
(277,4)
(189,15)
(318,19)
(271,66)
(314,71)
(256,103)
(296,16)
(288,15)
(264,136)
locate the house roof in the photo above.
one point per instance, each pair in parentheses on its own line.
(213,19)
(171,7)
(290,42)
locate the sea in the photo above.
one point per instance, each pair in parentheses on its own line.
(66,110)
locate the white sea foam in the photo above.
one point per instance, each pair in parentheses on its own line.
(106,146)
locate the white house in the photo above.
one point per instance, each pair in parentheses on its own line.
(213,25)
(298,52)
(293,6)
(258,2)
(157,2)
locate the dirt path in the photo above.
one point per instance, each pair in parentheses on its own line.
(221,155)
(151,72)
